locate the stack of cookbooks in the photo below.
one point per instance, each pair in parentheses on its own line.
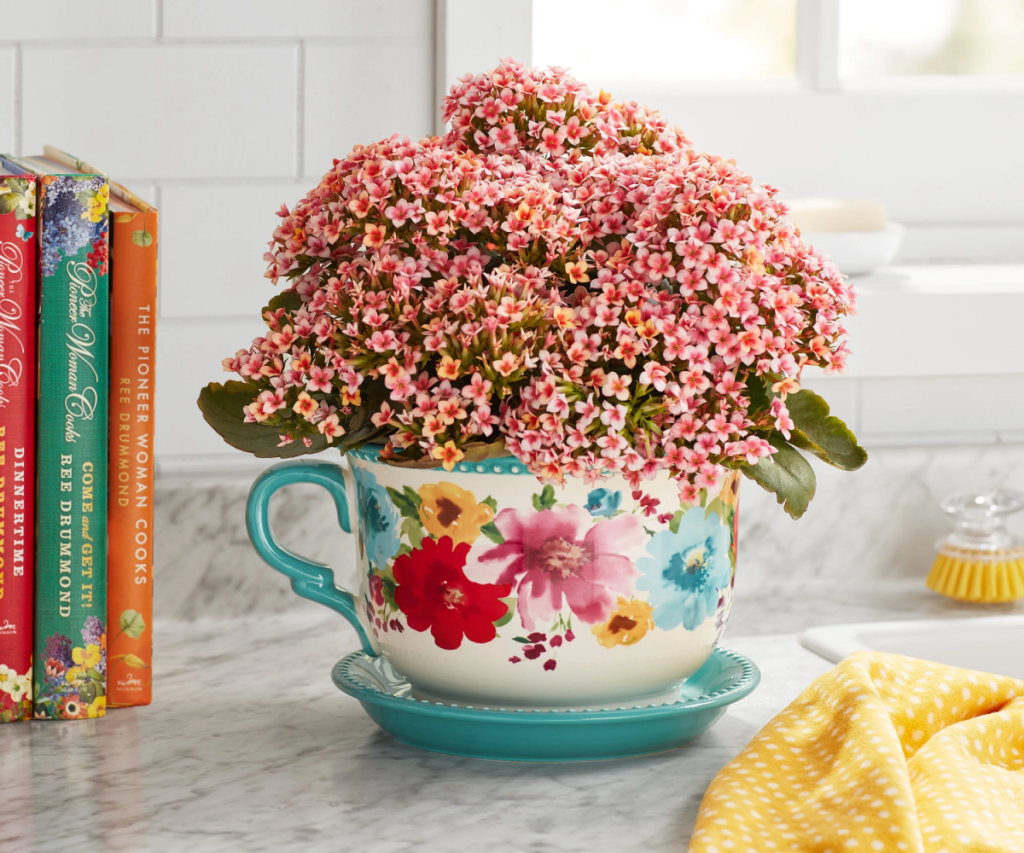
(77,358)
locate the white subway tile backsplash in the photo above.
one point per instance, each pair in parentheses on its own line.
(350,19)
(184,111)
(212,255)
(362,93)
(7,141)
(72,19)
(189,356)
(943,405)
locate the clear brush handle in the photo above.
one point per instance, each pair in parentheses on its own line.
(980,520)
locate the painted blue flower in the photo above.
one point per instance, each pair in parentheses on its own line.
(603,502)
(378,519)
(686,570)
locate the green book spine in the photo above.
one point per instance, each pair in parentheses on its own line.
(71,451)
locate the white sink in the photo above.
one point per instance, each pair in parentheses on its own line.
(990,644)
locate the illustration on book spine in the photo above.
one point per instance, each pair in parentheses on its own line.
(71,635)
(17,440)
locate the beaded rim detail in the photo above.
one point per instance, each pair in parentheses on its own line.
(498,465)
(747,681)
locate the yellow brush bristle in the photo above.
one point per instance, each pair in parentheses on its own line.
(983,580)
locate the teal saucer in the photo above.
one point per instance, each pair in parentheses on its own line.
(543,735)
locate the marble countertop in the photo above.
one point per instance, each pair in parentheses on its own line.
(249,747)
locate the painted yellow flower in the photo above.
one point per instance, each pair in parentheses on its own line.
(730,494)
(87,658)
(98,708)
(96,206)
(447,510)
(627,625)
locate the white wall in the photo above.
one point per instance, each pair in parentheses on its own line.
(218,111)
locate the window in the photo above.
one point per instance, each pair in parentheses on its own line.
(938,37)
(667,40)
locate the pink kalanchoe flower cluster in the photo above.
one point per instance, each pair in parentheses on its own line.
(561,273)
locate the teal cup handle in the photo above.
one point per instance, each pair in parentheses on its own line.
(310,579)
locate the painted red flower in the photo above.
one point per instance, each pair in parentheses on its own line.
(433,592)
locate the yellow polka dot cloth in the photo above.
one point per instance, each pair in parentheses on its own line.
(885,753)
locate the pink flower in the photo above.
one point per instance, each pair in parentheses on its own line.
(616,386)
(503,138)
(477,390)
(402,211)
(506,365)
(320,379)
(588,412)
(613,417)
(559,555)
(384,416)
(331,428)
(783,422)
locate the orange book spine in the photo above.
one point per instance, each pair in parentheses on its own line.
(133,311)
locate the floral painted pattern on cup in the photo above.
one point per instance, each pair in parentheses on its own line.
(483,586)
(445,561)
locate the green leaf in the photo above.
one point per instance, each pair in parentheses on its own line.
(677,517)
(490,530)
(521,639)
(406,501)
(786,474)
(287,299)
(357,437)
(132,623)
(823,434)
(222,407)
(546,498)
(389,587)
(478,451)
(504,620)
(142,238)
(8,201)
(412,528)
(492,503)
(89,691)
(403,550)
(96,675)
(757,392)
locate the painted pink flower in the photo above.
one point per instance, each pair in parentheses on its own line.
(559,556)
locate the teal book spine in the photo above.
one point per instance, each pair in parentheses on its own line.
(71,453)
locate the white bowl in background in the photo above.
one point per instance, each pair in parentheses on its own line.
(858,252)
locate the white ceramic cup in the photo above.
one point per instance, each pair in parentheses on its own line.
(482,586)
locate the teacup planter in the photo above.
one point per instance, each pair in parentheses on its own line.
(549,342)
(479,585)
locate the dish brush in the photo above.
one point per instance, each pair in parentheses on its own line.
(980,560)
